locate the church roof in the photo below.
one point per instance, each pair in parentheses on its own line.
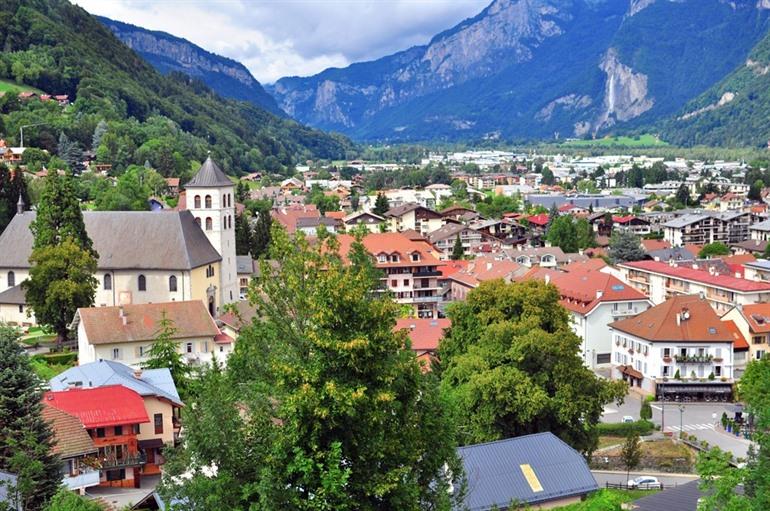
(124,240)
(209,176)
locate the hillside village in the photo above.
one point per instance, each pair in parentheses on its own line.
(666,285)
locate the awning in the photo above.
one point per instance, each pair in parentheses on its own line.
(152,443)
(630,371)
(673,388)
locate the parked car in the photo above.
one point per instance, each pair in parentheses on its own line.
(627,418)
(645,483)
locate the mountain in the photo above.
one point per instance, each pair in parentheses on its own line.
(167,53)
(127,112)
(527,69)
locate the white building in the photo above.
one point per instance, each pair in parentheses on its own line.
(679,347)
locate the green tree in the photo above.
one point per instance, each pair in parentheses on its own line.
(99,131)
(165,353)
(244,237)
(683,195)
(71,153)
(563,234)
(548,178)
(586,237)
(357,422)
(12,185)
(631,453)
(458,252)
(497,206)
(645,412)
(381,205)
(625,246)
(322,201)
(262,233)
(60,281)
(26,439)
(67,500)
(714,249)
(511,365)
(755,190)
(58,215)
(553,214)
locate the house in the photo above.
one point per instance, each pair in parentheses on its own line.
(246,268)
(752,246)
(13,306)
(741,354)
(424,335)
(507,230)
(156,388)
(232,321)
(679,347)
(758,270)
(753,322)
(75,447)
(477,271)
(112,416)
(545,257)
(594,299)
(760,231)
(632,224)
(289,216)
(538,223)
(172,185)
(410,270)
(180,255)
(456,212)
(310,226)
(539,471)
(368,219)
(413,216)
(125,333)
(292,184)
(661,280)
(444,239)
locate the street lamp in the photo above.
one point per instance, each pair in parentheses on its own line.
(681,419)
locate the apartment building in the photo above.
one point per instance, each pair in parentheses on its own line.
(410,270)
(707,227)
(760,231)
(415,217)
(679,347)
(445,237)
(753,321)
(662,280)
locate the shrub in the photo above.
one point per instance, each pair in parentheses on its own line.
(63,358)
(677,376)
(642,427)
(645,413)
(711,375)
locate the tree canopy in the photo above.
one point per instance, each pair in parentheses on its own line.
(563,234)
(625,247)
(714,249)
(511,365)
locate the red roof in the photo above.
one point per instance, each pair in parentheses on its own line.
(391,243)
(594,264)
(567,207)
(688,273)
(541,219)
(623,219)
(757,316)
(424,333)
(581,292)
(452,267)
(651,245)
(111,405)
(739,342)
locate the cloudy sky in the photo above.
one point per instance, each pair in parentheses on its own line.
(276,38)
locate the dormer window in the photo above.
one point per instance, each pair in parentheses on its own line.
(415,257)
(394,258)
(382,258)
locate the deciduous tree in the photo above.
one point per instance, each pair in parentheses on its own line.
(563,234)
(714,249)
(631,453)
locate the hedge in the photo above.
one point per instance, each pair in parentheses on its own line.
(64,358)
(625,428)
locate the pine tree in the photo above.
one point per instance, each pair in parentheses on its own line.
(625,246)
(99,131)
(458,252)
(381,205)
(244,238)
(25,438)
(553,214)
(70,153)
(262,234)
(164,353)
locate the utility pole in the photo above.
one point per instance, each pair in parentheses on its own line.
(681,418)
(21,131)
(662,409)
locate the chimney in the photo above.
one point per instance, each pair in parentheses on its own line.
(678,319)
(599,294)
(547,278)
(122,315)
(737,275)
(712,270)
(20,206)
(138,374)
(489,265)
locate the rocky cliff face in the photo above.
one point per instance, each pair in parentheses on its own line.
(536,68)
(168,53)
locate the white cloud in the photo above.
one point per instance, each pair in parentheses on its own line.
(276,38)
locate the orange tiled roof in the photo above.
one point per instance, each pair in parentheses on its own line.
(739,342)
(652,245)
(391,243)
(660,323)
(758,316)
(594,264)
(425,334)
(71,436)
(581,292)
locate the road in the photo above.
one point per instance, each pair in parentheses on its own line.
(699,419)
(603,476)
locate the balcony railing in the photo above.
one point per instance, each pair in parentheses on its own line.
(427,274)
(127,461)
(85,479)
(424,299)
(693,359)
(625,312)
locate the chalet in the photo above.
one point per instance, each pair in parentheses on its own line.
(74,447)
(753,322)
(632,224)
(368,219)
(413,216)
(444,239)
(479,270)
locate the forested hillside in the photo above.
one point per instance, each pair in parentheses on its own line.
(126,111)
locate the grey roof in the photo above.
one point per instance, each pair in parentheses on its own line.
(153,382)
(124,240)
(316,221)
(7,485)
(13,296)
(756,246)
(675,253)
(680,498)
(761,226)
(402,209)
(584,201)
(495,476)
(449,230)
(762,264)
(244,264)
(209,176)
(685,220)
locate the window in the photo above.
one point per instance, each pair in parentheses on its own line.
(21,309)
(172,283)
(406,282)
(116,475)
(760,354)
(393,283)
(210,271)
(115,353)
(136,429)
(11,279)
(208,201)
(189,347)
(666,370)
(718,353)
(118,430)
(415,256)
(205,347)
(221,349)
(100,433)
(382,258)
(209,223)
(615,307)
(107,282)
(158,419)
(198,221)
(666,352)
(630,306)
(717,371)
(683,352)
(197,202)
(141,351)
(394,258)
(142,283)
(758,339)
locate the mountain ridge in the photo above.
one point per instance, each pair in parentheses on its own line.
(167,52)
(534,69)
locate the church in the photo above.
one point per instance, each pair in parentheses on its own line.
(144,256)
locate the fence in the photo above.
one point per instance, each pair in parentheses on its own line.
(623,486)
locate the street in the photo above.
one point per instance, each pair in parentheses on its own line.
(699,419)
(603,476)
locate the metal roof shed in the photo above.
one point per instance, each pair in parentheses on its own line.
(530,469)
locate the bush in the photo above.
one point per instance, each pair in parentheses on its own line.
(645,413)
(642,427)
(64,358)
(677,376)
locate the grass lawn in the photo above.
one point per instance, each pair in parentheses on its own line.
(9,86)
(45,371)
(606,441)
(640,141)
(607,500)
(659,448)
